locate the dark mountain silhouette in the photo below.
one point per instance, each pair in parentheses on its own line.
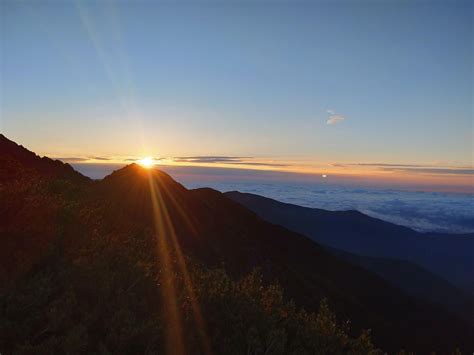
(83,263)
(17,161)
(31,209)
(446,255)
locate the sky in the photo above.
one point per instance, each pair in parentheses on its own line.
(381,90)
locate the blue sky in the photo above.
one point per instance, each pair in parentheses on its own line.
(253,78)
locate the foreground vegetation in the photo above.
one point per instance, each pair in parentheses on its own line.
(106,298)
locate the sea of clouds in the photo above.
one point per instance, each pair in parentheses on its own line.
(422,211)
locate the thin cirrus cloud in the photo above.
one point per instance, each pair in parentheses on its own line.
(80,159)
(100,158)
(72,159)
(210,159)
(138,159)
(225,160)
(415,168)
(334,118)
(444,171)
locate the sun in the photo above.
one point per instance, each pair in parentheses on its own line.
(146,162)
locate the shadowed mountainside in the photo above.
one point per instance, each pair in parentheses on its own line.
(16,162)
(416,282)
(448,256)
(102,252)
(355,233)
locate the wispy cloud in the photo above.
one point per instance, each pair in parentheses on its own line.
(234,160)
(81,159)
(392,165)
(72,159)
(444,171)
(210,159)
(259,163)
(100,158)
(415,168)
(334,118)
(137,159)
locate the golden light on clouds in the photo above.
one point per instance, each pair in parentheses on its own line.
(435,176)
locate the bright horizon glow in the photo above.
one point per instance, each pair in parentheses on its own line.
(419,177)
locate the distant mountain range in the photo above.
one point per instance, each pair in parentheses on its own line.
(80,260)
(447,255)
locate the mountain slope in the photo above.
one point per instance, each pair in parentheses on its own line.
(217,231)
(449,256)
(102,242)
(416,282)
(32,207)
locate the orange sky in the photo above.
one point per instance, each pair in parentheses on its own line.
(434,177)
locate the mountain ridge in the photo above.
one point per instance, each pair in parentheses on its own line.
(11,153)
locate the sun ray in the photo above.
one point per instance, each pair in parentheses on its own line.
(189,222)
(201,326)
(174,334)
(168,224)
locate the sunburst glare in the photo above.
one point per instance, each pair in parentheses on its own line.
(147,162)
